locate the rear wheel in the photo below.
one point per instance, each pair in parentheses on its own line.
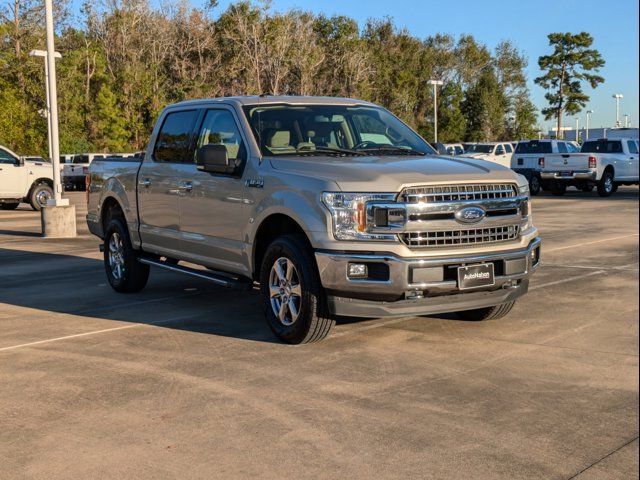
(124,272)
(8,206)
(559,189)
(39,195)
(534,185)
(489,313)
(294,301)
(606,185)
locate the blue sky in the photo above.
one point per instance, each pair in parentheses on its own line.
(613,24)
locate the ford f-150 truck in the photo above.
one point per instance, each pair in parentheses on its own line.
(23,181)
(604,163)
(333,206)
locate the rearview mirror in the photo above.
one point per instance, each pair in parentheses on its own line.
(214,159)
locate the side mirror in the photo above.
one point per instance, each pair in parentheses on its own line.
(19,162)
(214,159)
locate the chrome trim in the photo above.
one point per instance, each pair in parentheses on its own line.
(575,175)
(447,193)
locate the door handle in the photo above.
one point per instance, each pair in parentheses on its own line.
(145,182)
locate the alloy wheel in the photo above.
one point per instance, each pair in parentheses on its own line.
(285,291)
(116,256)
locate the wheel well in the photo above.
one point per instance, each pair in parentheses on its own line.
(37,182)
(110,208)
(272,227)
(609,168)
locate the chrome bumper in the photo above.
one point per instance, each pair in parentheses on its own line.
(575,175)
(421,285)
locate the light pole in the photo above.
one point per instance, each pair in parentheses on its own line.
(626,120)
(618,97)
(586,133)
(43,54)
(578,129)
(435,84)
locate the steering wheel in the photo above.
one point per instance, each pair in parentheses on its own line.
(366,143)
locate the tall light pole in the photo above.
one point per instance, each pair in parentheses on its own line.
(578,129)
(58,217)
(43,54)
(586,133)
(435,84)
(618,97)
(626,120)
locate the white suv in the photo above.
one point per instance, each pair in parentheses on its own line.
(20,181)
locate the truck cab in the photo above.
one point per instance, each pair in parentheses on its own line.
(23,181)
(497,152)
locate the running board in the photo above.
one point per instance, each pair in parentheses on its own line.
(218,278)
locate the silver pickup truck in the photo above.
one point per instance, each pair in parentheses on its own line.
(333,206)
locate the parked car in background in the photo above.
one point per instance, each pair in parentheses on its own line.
(291,192)
(36,159)
(529,158)
(603,163)
(74,173)
(496,152)
(454,148)
(23,181)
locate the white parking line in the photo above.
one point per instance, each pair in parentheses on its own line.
(95,332)
(566,280)
(584,244)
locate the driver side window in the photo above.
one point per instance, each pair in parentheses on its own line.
(6,157)
(499,150)
(219,128)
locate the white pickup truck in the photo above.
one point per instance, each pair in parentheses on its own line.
(604,163)
(20,181)
(496,152)
(530,156)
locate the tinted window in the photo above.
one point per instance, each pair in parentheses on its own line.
(508,148)
(6,157)
(174,139)
(534,146)
(633,146)
(499,150)
(562,147)
(80,159)
(219,128)
(459,150)
(602,146)
(478,148)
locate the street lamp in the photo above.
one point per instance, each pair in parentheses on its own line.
(43,54)
(578,129)
(586,133)
(626,120)
(618,97)
(435,84)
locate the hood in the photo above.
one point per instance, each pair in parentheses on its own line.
(392,174)
(474,155)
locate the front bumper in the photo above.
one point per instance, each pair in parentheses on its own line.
(418,286)
(582,175)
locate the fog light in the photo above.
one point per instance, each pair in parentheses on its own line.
(357,270)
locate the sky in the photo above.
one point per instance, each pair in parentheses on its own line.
(613,24)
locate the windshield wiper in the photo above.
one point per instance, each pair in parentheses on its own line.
(328,150)
(395,150)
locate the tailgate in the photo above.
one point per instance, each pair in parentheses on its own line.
(560,162)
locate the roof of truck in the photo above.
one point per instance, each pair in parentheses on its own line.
(270,99)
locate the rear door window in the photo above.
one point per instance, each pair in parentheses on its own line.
(533,146)
(174,142)
(602,146)
(562,147)
(633,146)
(507,147)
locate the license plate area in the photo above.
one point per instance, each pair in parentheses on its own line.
(566,174)
(476,276)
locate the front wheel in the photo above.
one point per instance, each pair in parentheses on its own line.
(124,272)
(488,313)
(606,185)
(39,196)
(534,185)
(293,299)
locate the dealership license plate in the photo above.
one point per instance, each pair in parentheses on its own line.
(566,174)
(475,276)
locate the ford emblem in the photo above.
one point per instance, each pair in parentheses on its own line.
(470,214)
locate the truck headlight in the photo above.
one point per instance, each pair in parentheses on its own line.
(349,216)
(523,191)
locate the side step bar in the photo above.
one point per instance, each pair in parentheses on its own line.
(218,278)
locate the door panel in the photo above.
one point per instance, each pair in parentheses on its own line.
(158,181)
(13,178)
(211,210)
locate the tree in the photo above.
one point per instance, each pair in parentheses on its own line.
(570,64)
(484,107)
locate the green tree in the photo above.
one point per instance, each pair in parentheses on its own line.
(110,124)
(453,125)
(570,64)
(484,108)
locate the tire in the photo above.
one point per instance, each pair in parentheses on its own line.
(289,274)
(489,313)
(39,195)
(8,206)
(606,185)
(124,273)
(559,189)
(535,185)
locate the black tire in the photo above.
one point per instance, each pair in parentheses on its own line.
(312,322)
(39,195)
(534,185)
(489,313)
(125,274)
(9,206)
(559,189)
(606,185)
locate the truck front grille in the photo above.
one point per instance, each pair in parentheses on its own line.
(457,193)
(460,237)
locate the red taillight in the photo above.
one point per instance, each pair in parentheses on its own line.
(593,163)
(85,170)
(541,162)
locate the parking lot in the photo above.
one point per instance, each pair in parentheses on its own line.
(185,380)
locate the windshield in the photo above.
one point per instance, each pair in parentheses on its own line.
(331,129)
(533,146)
(602,146)
(478,148)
